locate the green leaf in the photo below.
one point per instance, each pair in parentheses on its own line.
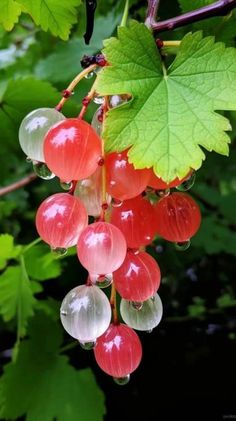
(10,10)
(50,67)
(53,15)
(41,264)
(187,5)
(171,114)
(7,248)
(16,297)
(43,385)
(198,308)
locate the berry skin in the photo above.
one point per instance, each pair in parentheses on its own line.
(60,219)
(123,181)
(85,313)
(101,248)
(136,219)
(72,149)
(118,351)
(138,278)
(178,217)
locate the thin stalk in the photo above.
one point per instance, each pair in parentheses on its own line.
(32,244)
(125,14)
(18,184)
(74,83)
(113,304)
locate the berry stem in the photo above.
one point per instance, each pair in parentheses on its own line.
(153,6)
(171,43)
(218,8)
(113,304)
(89,98)
(125,14)
(74,83)
(18,184)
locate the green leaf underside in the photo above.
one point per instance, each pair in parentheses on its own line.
(172,111)
(9,13)
(42,384)
(53,15)
(16,297)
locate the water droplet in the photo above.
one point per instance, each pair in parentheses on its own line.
(88,345)
(116,203)
(188,183)
(104,281)
(163,193)
(66,185)
(149,331)
(121,381)
(98,100)
(28,159)
(136,305)
(89,75)
(183,245)
(59,251)
(63,313)
(115,100)
(42,171)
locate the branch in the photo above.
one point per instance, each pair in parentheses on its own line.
(18,184)
(152,10)
(219,8)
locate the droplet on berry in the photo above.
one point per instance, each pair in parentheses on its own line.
(116,203)
(137,306)
(147,318)
(104,281)
(87,345)
(188,183)
(182,246)
(59,251)
(96,123)
(163,193)
(42,171)
(121,381)
(66,185)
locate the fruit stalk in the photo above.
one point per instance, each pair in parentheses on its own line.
(218,8)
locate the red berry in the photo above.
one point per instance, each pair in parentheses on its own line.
(138,278)
(178,217)
(123,181)
(136,219)
(118,351)
(72,149)
(158,184)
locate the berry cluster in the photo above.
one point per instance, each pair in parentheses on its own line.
(126,219)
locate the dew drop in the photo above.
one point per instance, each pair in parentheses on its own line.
(28,159)
(183,245)
(104,281)
(116,203)
(66,185)
(88,345)
(59,251)
(187,184)
(89,75)
(42,171)
(121,381)
(163,193)
(63,313)
(136,305)
(99,100)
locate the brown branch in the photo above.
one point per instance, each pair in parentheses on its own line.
(153,6)
(219,8)
(18,184)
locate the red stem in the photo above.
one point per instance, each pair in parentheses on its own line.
(219,8)
(18,184)
(152,9)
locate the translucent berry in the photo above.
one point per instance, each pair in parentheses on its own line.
(101,248)
(85,313)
